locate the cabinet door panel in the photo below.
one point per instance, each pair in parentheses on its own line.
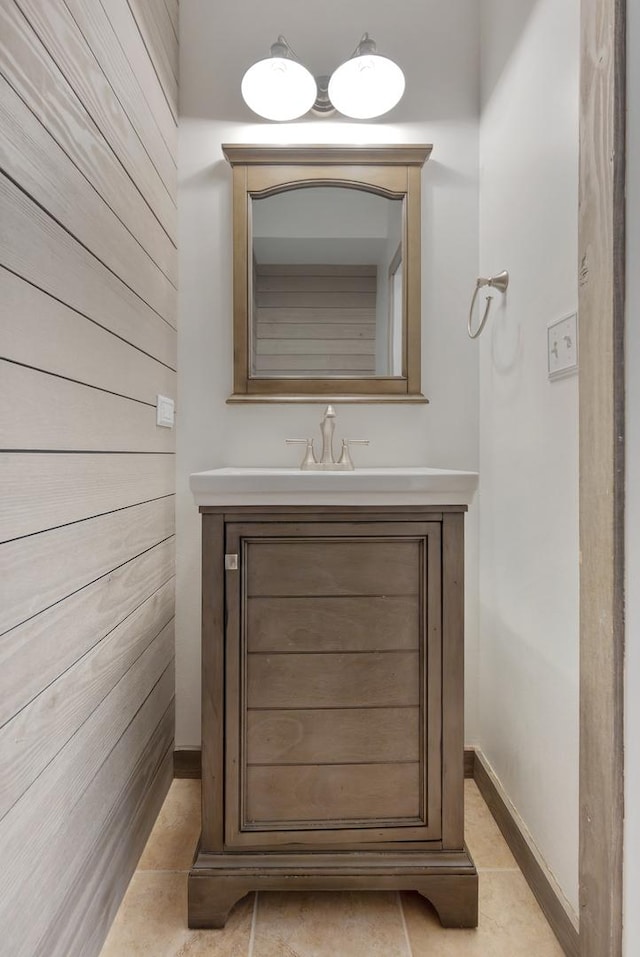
(340,736)
(336,795)
(315,567)
(333,676)
(384,679)
(374,623)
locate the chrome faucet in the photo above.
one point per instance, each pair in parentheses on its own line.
(327,428)
(327,461)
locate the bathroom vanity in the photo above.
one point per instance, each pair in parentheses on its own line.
(332,686)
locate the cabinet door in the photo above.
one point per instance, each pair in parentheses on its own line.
(333,665)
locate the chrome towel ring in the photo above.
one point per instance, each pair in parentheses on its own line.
(499,282)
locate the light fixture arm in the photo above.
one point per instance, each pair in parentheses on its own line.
(366,46)
(323,106)
(282,48)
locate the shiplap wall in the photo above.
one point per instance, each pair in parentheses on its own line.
(315,318)
(88,273)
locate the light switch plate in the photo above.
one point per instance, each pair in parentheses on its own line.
(165,411)
(562,347)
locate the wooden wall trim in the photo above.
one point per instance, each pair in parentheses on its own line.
(601,314)
(187,763)
(469,762)
(538,877)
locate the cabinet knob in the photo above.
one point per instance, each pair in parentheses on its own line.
(231,563)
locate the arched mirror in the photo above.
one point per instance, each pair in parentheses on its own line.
(326,273)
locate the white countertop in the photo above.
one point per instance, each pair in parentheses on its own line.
(364,486)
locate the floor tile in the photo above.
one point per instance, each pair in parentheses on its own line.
(510,924)
(152,919)
(152,922)
(485,842)
(328,924)
(172,842)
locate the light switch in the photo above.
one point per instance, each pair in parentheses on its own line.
(165,411)
(562,347)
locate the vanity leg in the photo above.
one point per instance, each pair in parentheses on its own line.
(454,897)
(211,899)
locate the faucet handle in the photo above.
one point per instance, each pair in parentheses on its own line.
(345,456)
(309,456)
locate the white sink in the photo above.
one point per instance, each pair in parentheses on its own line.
(291,486)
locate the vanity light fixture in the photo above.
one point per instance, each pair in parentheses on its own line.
(279,87)
(365,86)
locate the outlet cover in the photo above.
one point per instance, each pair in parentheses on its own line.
(165,411)
(562,347)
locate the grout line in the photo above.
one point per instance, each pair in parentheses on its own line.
(252,935)
(404,925)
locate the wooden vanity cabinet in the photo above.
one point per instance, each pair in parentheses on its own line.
(332,716)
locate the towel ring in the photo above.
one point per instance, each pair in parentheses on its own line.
(499,282)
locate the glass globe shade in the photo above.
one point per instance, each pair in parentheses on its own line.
(366,86)
(279,89)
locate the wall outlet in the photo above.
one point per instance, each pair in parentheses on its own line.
(562,347)
(165,411)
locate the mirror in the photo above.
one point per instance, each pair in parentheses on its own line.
(326,273)
(327,289)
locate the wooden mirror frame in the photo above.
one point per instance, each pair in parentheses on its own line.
(392,171)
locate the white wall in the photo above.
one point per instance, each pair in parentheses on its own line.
(437,44)
(528,638)
(632,545)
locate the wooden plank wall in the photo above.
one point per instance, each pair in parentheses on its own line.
(315,318)
(601,308)
(88,274)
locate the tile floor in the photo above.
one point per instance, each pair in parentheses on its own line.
(151,921)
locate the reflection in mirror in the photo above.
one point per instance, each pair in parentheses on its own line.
(327,284)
